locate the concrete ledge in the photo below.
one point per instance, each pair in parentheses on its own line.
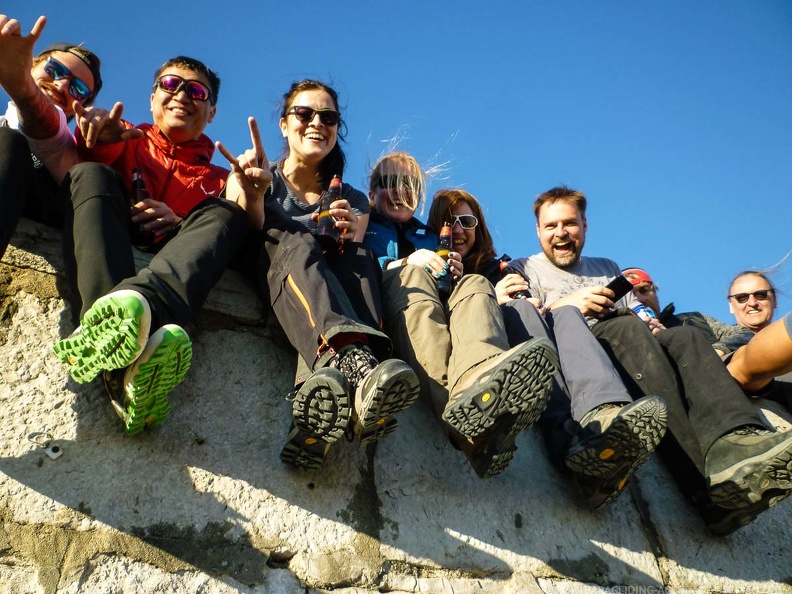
(204,504)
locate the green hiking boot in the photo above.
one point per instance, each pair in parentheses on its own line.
(139,393)
(111,335)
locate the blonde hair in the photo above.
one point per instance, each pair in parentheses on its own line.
(410,178)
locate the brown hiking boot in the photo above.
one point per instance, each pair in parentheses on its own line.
(516,382)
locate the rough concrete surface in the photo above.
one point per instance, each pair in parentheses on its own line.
(203,503)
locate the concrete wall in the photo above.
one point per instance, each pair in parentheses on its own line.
(204,504)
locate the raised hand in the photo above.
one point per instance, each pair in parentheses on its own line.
(250,176)
(98,125)
(16,57)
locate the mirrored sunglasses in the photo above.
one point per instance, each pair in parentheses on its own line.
(466,221)
(195,89)
(329,117)
(77,87)
(758,295)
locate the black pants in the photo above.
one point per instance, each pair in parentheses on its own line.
(704,402)
(26,188)
(318,297)
(187,264)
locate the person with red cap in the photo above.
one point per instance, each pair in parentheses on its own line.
(43,91)
(724,338)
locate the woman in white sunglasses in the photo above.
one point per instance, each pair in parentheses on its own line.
(482,392)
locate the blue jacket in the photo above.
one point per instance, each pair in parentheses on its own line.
(382,238)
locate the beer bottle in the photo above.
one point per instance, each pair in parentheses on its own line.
(506,269)
(444,283)
(137,235)
(327,233)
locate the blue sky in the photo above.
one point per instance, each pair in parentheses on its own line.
(675,118)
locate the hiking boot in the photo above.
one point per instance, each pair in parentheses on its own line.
(111,335)
(721,521)
(490,454)
(380,390)
(321,413)
(614,441)
(517,382)
(139,393)
(750,467)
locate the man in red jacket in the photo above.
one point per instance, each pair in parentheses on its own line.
(130,328)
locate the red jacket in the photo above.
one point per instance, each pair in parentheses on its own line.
(180,175)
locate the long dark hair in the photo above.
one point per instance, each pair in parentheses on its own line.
(483,250)
(335,161)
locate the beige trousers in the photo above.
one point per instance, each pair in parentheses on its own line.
(441,341)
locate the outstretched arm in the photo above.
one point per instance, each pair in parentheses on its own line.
(250,177)
(38,116)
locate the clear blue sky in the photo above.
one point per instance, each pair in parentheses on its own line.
(674,117)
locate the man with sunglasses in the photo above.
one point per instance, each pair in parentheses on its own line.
(719,448)
(43,90)
(131,324)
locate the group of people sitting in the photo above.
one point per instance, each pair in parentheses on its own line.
(502,346)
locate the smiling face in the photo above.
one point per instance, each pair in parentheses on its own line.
(755,313)
(310,142)
(463,240)
(561,229)
(396,186)
(58,90)
(180,118)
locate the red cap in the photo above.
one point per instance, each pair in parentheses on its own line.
(637,275)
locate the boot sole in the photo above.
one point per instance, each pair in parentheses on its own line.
(605,461)
(153,377)
(114,332)
(763,480)
(321,413)
(396,387)
(520,385)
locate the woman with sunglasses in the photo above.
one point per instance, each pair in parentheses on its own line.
(43,90)
(327,302)
(482,392)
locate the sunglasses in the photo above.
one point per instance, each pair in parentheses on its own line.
(57,71)
(465,221)
(329,117)
(173,83)
(390,182)
(645,289)
(759,295)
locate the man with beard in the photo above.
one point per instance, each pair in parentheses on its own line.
(719,449)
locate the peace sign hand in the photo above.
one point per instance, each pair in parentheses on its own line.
(250,176)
